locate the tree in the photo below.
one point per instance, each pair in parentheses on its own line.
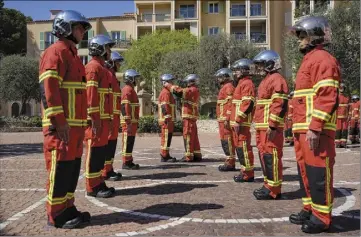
(12,31)
(19,77)
(344,21)
(146,53)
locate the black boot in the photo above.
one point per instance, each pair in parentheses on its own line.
(113,176)
(264,194)
(67,220)
(300,217)
(311,227)
(85,216)
(167,159)
(102,191)
(239,179)
(225,168)
(129,165)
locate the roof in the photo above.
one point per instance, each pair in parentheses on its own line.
(124,17)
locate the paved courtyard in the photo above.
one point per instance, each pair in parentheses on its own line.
(169,199)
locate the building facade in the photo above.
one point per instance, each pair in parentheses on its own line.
(261,21)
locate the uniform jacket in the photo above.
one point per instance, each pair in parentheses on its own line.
(166,106)
(129,105)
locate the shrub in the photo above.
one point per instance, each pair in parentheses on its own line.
(149,124)
(21,121)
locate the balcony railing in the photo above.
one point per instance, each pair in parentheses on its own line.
(240,36)
(259,38)
(123,43)
(162,17)
(185,15)
(145,18)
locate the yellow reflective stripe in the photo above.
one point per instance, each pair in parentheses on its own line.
(279,96)
(266,114)
(51,111)
(328,181)
(165,147)
(274,184)
(117,93)
(264,102)
(306,201)
(101,102)
(190,102)
(50,74)
(52,174)
(93,175)
(248,98)
(104,116)
(275,166)
(322,208)
(309,108)
(276,118)
(125,102)
(104,90)
(321,115)
(117,112)
(93,110)
(72,85)
(189,116)
(303,92)
(326,82)
(92,83)
(230,148)
(188,139)
(343,105)
(243,115)
(71,122)
(71,103)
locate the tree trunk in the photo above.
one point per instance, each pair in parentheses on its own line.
(23,107)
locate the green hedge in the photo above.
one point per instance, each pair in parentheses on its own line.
(21,121)
(149,124)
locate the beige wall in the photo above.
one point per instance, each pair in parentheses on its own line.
(213,19)
(33,37)
(178,3)
(106,26)
(145,9)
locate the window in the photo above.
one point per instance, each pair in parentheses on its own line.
(187,11)
(213,30)
(240,36)
(83,44)
(213,8)
(238,10)
(84,59)
(49,39)
(256,9)
(258,37)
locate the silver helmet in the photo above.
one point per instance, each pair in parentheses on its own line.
(269,59)
(355,97)
(131,76)
(291,94)
(98,43)
(315,27)
(114,57)
(64,20)
(191,78)
(224,73)
(244,64)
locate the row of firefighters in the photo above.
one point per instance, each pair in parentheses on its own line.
(347,122)
(86,105)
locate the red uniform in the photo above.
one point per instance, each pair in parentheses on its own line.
(355,122)
(129,118)
(190,99)
(223,110)
(166,118)
(242,111)
(100,107)
(341,123)
(62,84)
(315,103)
(288,123)
(270,111)
(113,135)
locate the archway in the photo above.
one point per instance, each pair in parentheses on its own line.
(28,109)
(15,109)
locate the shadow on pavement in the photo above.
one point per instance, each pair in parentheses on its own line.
(20,149)
(298,194)
(171,166)
(160,176)
(163,189)
(344,224)
(166,209)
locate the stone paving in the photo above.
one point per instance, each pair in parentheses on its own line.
(169,199)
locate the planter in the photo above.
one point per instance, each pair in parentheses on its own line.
(21,129)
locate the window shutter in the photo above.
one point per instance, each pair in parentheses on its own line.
(205,7)
(90,34)
(41,42)
(205,31)
(220,7)
(110,34)
(123,35)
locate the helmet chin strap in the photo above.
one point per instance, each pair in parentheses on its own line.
(307,49)
(72,38)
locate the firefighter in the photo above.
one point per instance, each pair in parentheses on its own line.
(129,117)
(269,122)
(100,108)
(62,77)
(314,124)
(243,104)
(288,123)
(223,110)
(166,118)
(342,117)
(113,65)
(190,99)
(355,119)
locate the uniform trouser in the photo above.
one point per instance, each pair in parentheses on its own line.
(166,137)
(316,168)
(288,131)
(354,129)
(271,153)
(191,141)
(111,147)
(227,143)
(128,139)
(95,156)
(242,142)
(341,131)
(63,163)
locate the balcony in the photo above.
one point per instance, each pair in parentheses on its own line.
(160,17)
(145,18)
(123,43)
(258,38)
(240,36)
(179,15)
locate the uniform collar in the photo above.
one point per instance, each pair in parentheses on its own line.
(317,48)
(69,44)
(99,60)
